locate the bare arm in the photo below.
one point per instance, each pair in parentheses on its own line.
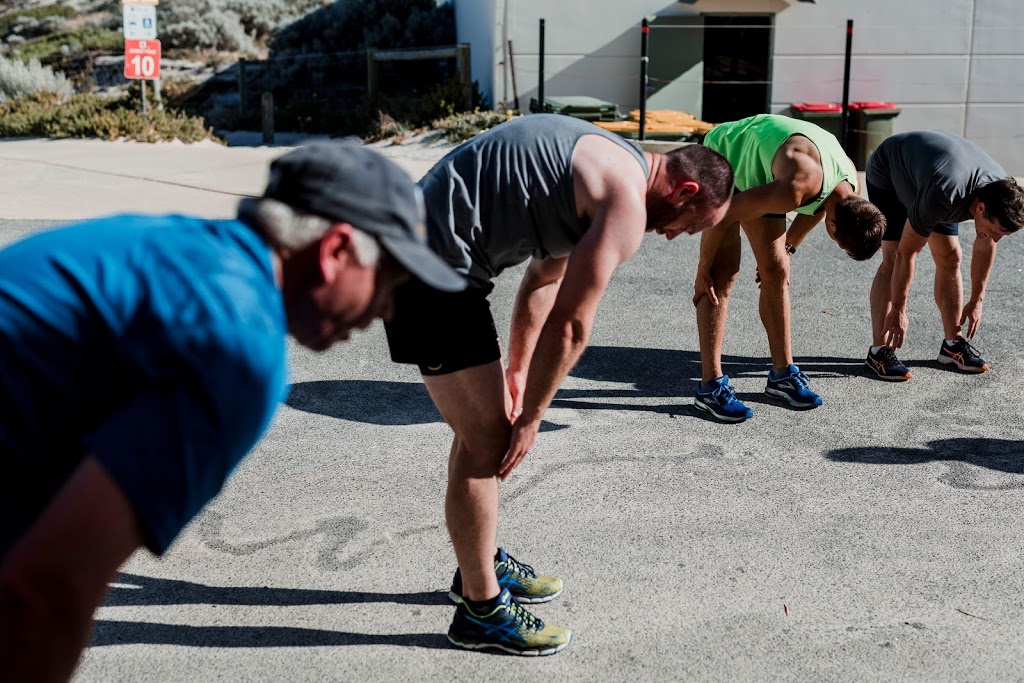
(896,322)
(983,256)
(536,296)
(614,235)
(56,575)
(801,228)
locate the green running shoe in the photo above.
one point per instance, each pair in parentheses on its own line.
(522,582)
(507,627)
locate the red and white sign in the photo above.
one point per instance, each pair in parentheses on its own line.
(142,59)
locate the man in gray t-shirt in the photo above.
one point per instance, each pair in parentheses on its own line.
(930,181)
(575,201)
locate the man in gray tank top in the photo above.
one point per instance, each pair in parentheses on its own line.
(926,182)
(575,201)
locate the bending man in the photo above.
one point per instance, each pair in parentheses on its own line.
(926,182)
(144,356)
(781,165)
(575,201)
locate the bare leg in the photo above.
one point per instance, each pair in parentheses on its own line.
(474,403)
(768,241)
(949,283)
(711,318)
(881,292)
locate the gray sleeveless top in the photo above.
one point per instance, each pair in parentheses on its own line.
(507,195)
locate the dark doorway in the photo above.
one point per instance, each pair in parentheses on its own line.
(737,66)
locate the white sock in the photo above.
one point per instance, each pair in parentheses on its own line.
(950,342)
(876,349)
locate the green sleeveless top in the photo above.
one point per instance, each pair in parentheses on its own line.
(750,145)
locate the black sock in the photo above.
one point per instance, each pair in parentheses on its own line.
(482,605)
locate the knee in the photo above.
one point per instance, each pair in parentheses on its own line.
(775,273)
(724,274)
(949,258)
(479,451)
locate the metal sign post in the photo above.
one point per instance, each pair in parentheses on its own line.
(141,48)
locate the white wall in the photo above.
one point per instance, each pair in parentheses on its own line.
(955,65)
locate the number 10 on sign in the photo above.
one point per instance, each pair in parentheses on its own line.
(142,59)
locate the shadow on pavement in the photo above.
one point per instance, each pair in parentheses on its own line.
(372,402)
(1003,455)
(109,632)
(135,590)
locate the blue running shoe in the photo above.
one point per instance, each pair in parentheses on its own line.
(507,627)
(522,582)
(793,387)
(720,402)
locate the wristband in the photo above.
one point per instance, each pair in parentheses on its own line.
(790,249)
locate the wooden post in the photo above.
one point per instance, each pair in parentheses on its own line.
(466,75)
(267,102)
(243,93)
(371,80)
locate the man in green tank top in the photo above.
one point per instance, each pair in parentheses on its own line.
(781,165)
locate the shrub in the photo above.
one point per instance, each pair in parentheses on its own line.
(18,79)
(53,47)
(461,127)
(93,116)
(8,21)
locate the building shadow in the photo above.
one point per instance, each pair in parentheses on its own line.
(111,632)
(1002,455)
(133,590)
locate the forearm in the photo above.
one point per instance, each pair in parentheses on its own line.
(983,257)
(902,276)
(801,228)
(560,345)
(531,310)
(42,634)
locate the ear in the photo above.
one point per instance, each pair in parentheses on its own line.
(980,211)
(335,250)
(687,189)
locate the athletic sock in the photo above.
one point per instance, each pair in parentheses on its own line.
(479,606)
(876,349)
(950,342)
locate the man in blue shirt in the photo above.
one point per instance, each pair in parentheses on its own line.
(141,358)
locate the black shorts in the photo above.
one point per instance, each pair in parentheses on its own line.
(442,332)
(896,215)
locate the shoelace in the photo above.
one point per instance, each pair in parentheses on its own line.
(965,347)
(724,393)
(801,379)
(521,616)
(517,567)
(889,357)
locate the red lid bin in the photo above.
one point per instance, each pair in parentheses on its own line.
(818,107)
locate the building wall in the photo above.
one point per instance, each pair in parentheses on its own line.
(955,65)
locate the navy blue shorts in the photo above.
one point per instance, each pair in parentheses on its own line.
(896,215)
(442,332)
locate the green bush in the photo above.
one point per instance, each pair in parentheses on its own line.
(8,21)
(93,116)
(54,47)
(463,126)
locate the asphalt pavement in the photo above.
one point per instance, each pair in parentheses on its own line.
(876,538)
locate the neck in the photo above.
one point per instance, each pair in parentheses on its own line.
(842,191)
(656,164)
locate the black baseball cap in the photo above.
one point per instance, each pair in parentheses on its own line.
(344,181)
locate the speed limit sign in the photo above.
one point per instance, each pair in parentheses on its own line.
(142,59)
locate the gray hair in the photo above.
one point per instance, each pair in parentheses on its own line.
(286,228)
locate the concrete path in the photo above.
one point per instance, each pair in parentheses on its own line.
(877,538)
